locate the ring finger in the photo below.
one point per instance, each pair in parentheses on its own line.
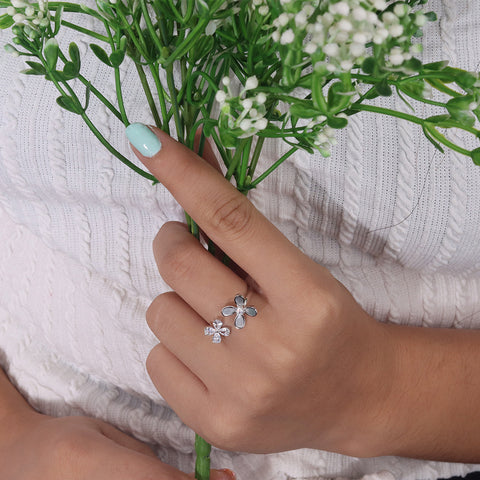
(198,277)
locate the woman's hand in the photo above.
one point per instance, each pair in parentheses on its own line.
(310,370)
(81,448)
(40,447)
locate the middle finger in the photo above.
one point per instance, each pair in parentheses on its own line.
(197,276)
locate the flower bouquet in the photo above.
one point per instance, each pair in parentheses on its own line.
(242,71)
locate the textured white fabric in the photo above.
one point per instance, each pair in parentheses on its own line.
(395,222)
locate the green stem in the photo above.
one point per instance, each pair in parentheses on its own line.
(86,31)
(272,168)
(175,107)
(118,84)
(354,108)
(161,96)
(97,93)
(114,152)
(148,94)
(256,156)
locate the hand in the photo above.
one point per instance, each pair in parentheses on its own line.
(308,371)
(40,447)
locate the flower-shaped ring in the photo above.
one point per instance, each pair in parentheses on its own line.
(217,331)
(240,310)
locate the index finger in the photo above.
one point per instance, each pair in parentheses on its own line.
(223,213)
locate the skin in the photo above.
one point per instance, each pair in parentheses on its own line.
(312,369)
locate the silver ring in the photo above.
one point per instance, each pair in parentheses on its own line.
(240,310)
(217,331)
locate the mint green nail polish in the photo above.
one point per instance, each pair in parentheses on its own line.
(143,139)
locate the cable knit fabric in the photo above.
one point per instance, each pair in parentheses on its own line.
(396,222)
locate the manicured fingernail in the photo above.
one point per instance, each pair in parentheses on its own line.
(143,139)
(228,474)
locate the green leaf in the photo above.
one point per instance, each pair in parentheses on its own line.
(70,70)
(37,67)
(413,88)
(431,16)
(68,103)
(339,97)
(460,109)
(414,65)
(431,139)
(442,121)
(435,66)
(466,80)
(74,53)
(368,65)
(337,122)
(475,154)
(317,94)
(30,71)
(303,111)
(50,51)
(58,19)
(6,21)
(116,58)
(383,88)
(87,95)
(101,54)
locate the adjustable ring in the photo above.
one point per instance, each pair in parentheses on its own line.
(240,310)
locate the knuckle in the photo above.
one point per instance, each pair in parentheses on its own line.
(176,260)
(159,307)
(233,217)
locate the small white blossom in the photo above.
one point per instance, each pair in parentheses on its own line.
(287,37)
(261,98)
(19,3)
(263,10)
(395,30)
(331,49)
(359,14)
(245,124)
(251,83)
(220,97)
(261,124)
(400,10)
(379,4)
(420,20)
(19,18)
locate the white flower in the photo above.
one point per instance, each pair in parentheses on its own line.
(247,103)
(395,30)
(400,10)
(220,97)
(331,49)
(263,10)
(379,4)
(345,25)
(251,83)
(340,8)
(261,124)
(19,3)
(359,14)
(261,98)
(287,37)
(245,124)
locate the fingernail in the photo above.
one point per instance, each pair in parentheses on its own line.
(227,474)
(143,139)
